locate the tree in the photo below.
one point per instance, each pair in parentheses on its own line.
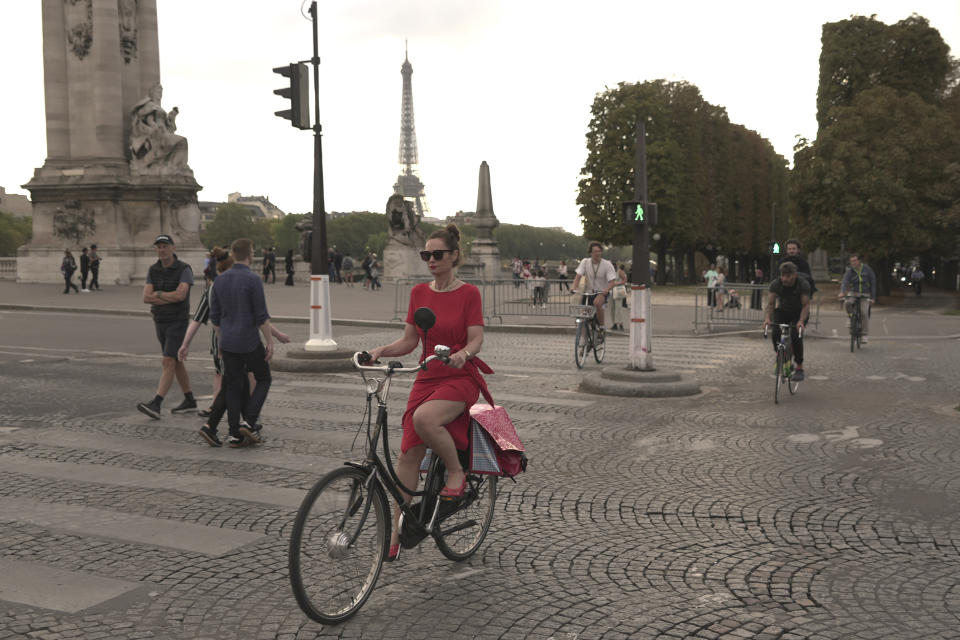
(883,177)
(14,232)
(234,221)
(714,182)
(860,53)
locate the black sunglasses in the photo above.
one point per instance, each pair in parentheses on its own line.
(436,253)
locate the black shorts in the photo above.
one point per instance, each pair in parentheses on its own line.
(170,334)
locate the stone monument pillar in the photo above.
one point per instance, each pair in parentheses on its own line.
(819,265)
(484,250)
(401,257)
(116,172)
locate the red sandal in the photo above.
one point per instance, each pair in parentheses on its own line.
(452,494)
(393,554)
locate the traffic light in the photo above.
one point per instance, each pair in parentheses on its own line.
(775,248)
(635,212)
(640,213)
(298,92)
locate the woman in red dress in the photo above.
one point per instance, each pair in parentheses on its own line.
(437,414)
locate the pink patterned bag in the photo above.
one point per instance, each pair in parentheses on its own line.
(495,447)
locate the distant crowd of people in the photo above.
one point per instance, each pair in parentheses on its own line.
(340,268)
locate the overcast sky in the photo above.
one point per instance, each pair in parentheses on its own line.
(509,82)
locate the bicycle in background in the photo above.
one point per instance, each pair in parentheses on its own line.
(856,319)
(589,337)
(785,369)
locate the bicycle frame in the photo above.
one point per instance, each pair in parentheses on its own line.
(381,469)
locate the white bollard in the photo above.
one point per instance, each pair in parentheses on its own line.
(321,326)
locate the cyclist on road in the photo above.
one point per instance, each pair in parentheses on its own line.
(793,294)
(600,277)
(803,267)
(859,278)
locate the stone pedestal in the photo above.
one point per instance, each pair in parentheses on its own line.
(485,253)
(120,212)
(402,261)
(620,381)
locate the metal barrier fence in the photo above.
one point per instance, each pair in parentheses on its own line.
(502,297)
(740,304)
(8,268)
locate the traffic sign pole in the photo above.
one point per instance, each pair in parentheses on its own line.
(641,321)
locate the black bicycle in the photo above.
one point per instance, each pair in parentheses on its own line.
(589,336)
(784,371)
(341,534)
(856,319)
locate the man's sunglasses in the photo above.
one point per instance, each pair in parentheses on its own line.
(436,253)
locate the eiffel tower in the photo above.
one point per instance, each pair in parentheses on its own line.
(408,182)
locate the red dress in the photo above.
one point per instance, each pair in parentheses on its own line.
(455,310)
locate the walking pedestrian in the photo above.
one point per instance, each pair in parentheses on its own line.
(375,273)
(288,266)
(67,267)
(917,277)
(84,270)
(562,276)
(167,291)
(338,263)
(94,269)
(238,308)
(347,273)
(332,265)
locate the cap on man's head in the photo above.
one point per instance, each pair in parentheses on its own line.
(163,238)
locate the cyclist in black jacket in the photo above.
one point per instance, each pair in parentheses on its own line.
(793,294)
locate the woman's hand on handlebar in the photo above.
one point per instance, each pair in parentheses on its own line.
(375,354)
(457,359)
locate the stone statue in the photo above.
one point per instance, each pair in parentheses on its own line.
(404,222)
(154,145)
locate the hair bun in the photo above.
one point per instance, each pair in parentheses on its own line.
(453,230)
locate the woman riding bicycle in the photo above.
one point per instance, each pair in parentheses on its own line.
(438,410)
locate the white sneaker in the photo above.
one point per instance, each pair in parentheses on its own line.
(863,340)
(85,290)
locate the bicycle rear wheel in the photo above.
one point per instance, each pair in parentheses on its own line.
(338,545)
(462,532)
(779,381)
(599,345)
(580,344)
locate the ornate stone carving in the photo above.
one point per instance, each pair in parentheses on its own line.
(154,145)
(80,33)
(404,222)
(127,11)
(73,222)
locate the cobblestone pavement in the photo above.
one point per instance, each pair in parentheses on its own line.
(831,515)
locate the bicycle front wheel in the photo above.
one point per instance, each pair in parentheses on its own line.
(338,545)
(599,346)
(779,381)
(462,532)
(580,345)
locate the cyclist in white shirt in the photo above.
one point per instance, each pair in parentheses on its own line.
(600,276)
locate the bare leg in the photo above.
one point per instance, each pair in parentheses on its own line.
(183,378)
(428,421)
(166,377)
(408,471)
(598,303)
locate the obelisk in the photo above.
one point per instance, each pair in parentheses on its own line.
(484,249)
(101,70)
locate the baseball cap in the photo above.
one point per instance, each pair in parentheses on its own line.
(163,238)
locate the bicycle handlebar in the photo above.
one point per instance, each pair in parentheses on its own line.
(394,366)
(783,327)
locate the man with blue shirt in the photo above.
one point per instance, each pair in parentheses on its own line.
(859,278)
(238,311)
(167,291)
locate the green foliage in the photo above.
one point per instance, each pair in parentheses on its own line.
(352,234)
(235,221)
(284,234)
(884,177)
(14,232)
(714,182)
(538,242)
(861,53)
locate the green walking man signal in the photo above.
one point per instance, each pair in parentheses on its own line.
(640,213)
